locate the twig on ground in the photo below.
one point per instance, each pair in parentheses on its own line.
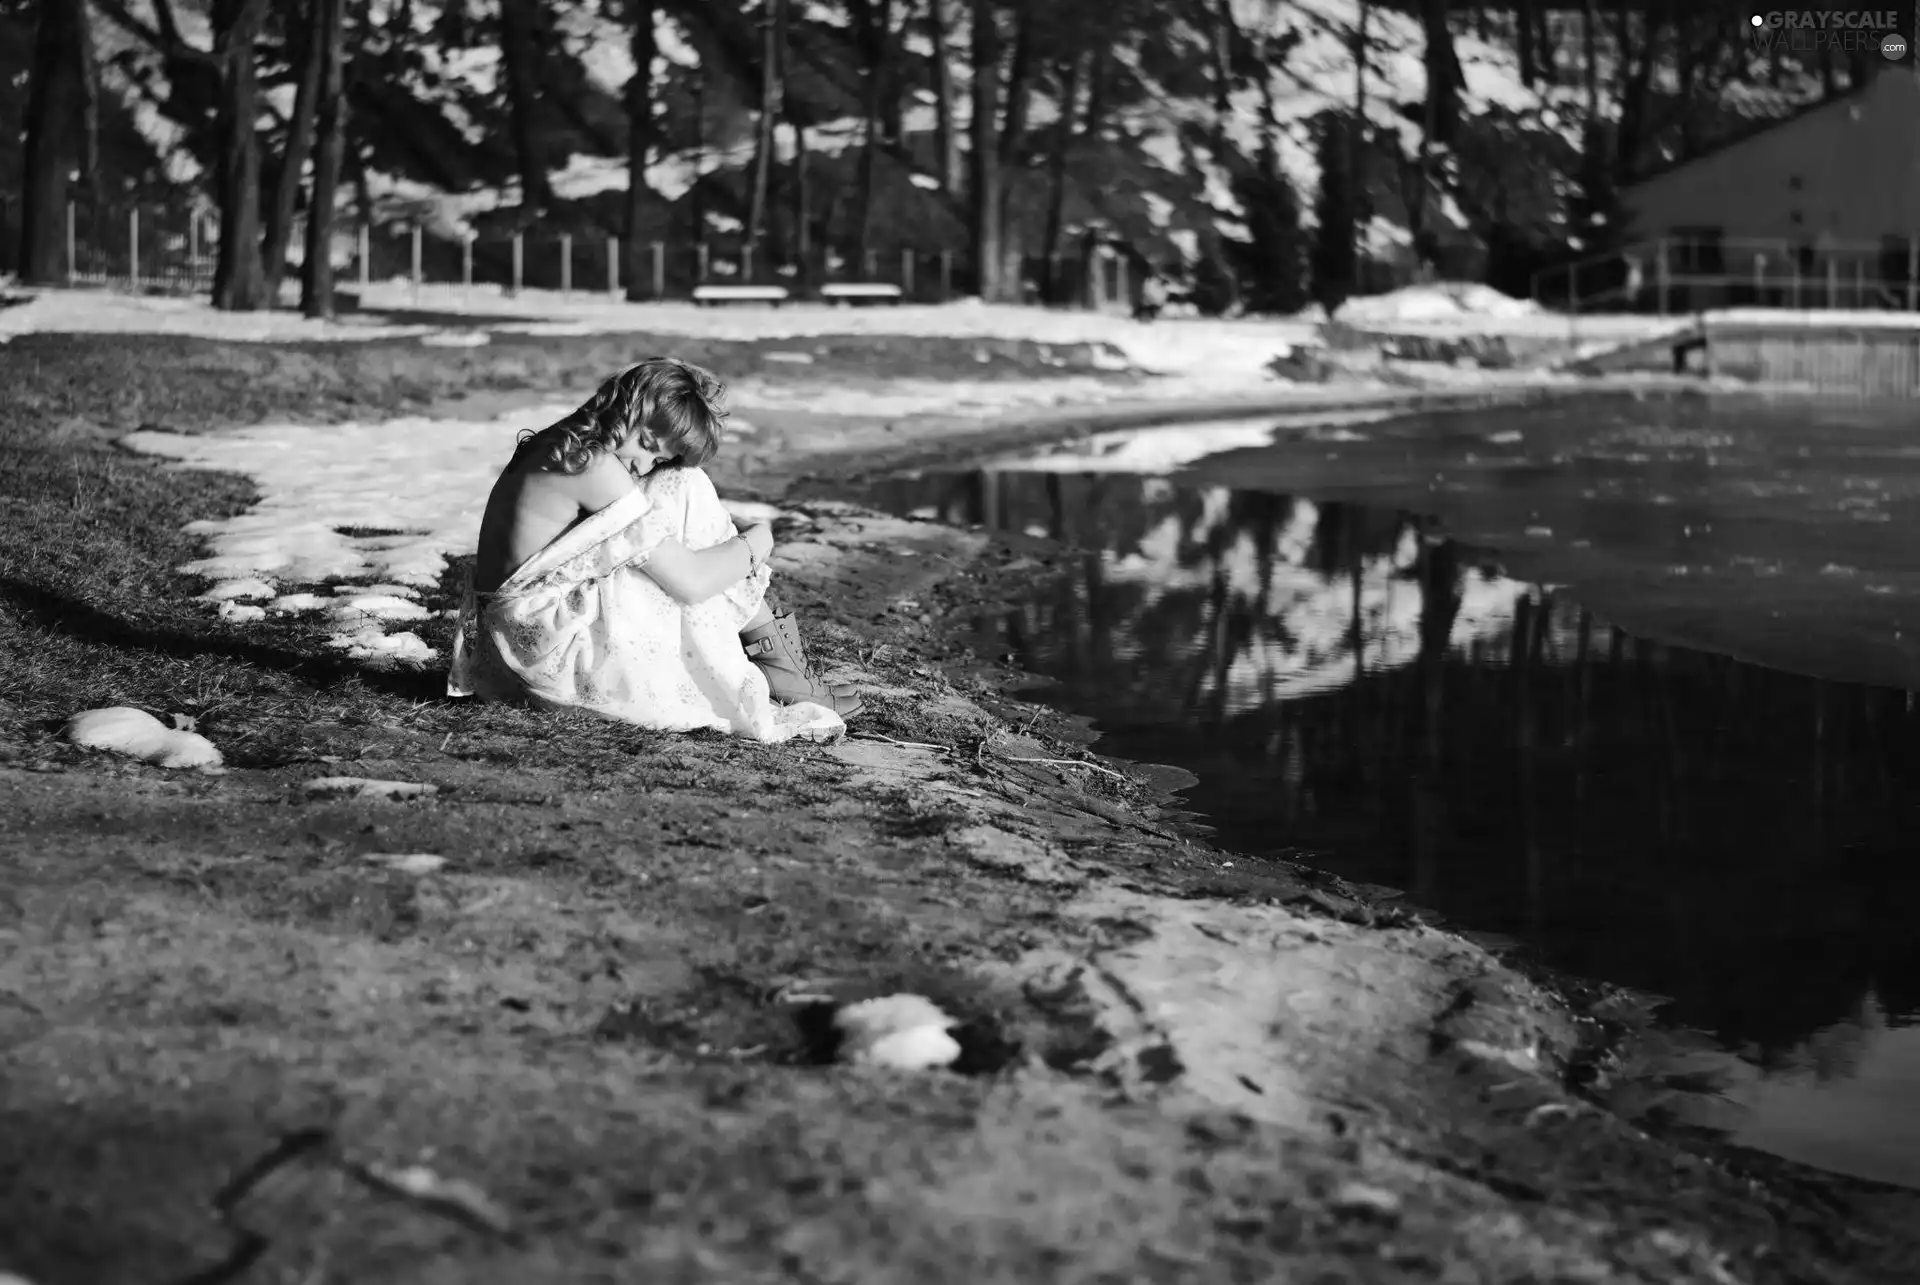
(1118,776)
(458,1201)
(912,745)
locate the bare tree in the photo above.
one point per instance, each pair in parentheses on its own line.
(873,30)
(239,282)
(58,98)
(641,201)
(772,92)
(520,34)
(308,50)
(983,154)
(316,277)
(947,159)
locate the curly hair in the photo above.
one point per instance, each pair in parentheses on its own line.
(674,405)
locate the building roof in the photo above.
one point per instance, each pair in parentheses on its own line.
(1755,129)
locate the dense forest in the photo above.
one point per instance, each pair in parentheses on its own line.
(1278,151)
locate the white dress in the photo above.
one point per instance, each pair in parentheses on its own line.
(579,625)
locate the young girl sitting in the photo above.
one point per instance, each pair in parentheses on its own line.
(609,577)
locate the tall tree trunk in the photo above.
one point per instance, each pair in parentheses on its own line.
(1524,35)
(983,154)
(1063,135)
(1359,171)
(946,146)
(54,106)
(1099,78)
(330,140)
(873,22)
(1637,87)
(520,31)
(310,49)
(802,232)
(239,285)
(1590,56)
(773,28)
(1013,134)
(641,202)
(1444,76)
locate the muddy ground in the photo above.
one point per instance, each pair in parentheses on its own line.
(237,1043)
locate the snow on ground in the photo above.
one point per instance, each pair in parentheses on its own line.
(1448,301)
(1155,451)
(1235,349)
(372,510)
(1213,356)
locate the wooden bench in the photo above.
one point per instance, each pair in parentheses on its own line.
(850,292)
(708,295)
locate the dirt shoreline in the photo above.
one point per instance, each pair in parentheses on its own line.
(1187,1066)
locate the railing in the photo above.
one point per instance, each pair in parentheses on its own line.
(1678,274)
(174,250)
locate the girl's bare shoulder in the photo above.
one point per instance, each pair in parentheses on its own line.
(602,482)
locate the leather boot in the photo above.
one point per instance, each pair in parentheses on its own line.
(775,647)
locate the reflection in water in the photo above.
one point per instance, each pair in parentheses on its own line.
(1345,681)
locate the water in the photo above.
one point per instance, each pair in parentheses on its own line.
(1349,680)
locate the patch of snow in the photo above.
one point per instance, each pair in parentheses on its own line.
(376,606)
(1155,451)
(1437,301)
(902,1032)
(139,735)
(239,613)
(227,590)
(361,787)
(294,603)
(408,863)
(369,643)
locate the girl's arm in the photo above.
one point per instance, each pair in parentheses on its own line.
(689,575)
(696,575)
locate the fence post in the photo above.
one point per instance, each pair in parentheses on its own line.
(659,271)
(366,256)
(906,273)
(700,253)
(1833,283)
(946,275)
(613,266)
(466,270)
(1759,278)
(71,245)
(1913,274)
(566,263)
(519,259)
(867,266)
(1662,278)
(133,249)
(1121,293)
(417,266)
(1859,284)
(193,244)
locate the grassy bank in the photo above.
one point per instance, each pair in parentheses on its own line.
(588,1027)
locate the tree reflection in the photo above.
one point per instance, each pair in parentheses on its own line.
(1344,681)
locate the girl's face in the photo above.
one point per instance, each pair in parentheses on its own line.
(640,454)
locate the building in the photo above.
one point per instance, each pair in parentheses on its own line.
(1821,209)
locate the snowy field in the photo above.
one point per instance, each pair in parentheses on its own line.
(1233,349)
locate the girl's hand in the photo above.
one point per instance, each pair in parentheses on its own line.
(759,538)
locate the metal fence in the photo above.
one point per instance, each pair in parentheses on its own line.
(160,249)
(1688,274)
